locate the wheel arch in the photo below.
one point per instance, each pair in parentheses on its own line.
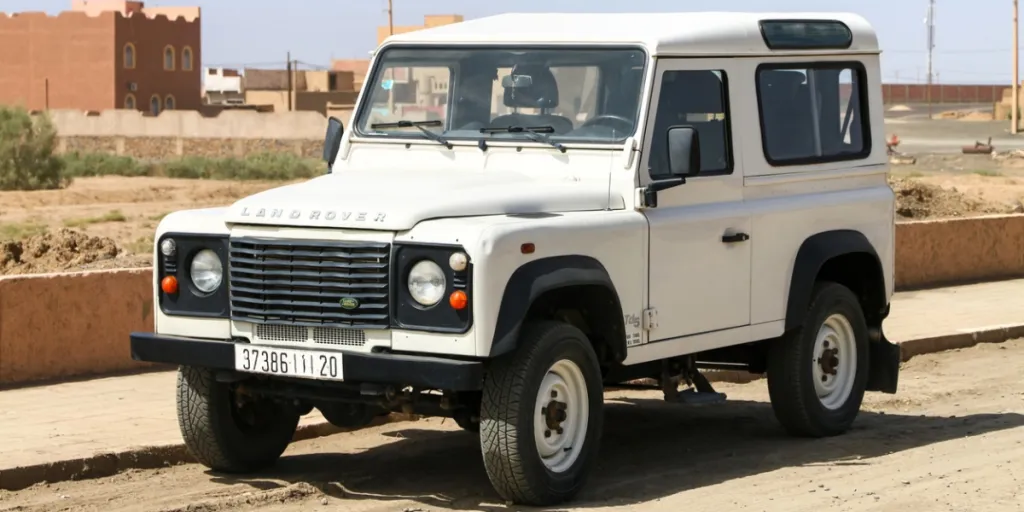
(843,256)
(573,283)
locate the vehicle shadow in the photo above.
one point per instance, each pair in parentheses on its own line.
(651,449)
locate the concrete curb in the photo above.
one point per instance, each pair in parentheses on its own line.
(144,457)
(108,464)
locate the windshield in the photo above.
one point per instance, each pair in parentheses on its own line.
(568,95)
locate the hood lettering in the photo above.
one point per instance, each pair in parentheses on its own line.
(326,215)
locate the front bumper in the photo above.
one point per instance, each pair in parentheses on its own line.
(404,370)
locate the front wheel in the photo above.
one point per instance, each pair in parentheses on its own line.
(541,416)
(229,432)
(817,374)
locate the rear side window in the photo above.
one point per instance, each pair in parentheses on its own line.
(813,113)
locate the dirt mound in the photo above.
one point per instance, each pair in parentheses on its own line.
(64,249)
(916,200)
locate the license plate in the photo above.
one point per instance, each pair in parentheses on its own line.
(310,364)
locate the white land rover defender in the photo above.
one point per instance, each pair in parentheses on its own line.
(528,208)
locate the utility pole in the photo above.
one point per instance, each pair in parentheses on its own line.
(931,48)
(391,18)
(291,82)
(1015,115)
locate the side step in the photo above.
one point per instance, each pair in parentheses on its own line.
(700,393)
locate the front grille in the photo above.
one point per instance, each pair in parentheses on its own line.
(319,335)
(304,283)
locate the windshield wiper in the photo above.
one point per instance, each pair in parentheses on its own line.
(531,132)
(417,124)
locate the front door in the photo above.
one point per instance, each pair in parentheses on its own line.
(700,243)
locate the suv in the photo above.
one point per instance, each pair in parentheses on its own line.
(529,208)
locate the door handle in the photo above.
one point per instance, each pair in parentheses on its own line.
(735,238)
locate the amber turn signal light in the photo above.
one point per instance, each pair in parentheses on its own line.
(169,285)
(458,300)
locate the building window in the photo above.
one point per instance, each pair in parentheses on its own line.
(129,56)
(169,102)
(154,105)
(129,102)
(169,58)
(186,59)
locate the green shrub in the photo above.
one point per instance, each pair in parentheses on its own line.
(259,166)
(27,160)
(103,164)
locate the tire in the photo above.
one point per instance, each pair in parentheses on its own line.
(807,398)
(227,438)
(553,360)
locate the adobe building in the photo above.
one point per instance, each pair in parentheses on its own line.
(102,54)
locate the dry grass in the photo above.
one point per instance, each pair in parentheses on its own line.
(111,216)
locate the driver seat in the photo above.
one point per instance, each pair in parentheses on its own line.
(542,94)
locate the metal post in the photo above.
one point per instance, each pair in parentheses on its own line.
(1014,114)
(931,49)
(291,82)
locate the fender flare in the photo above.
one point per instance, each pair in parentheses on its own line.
(811,257)
(534,279)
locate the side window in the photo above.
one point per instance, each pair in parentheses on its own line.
(813,113)
(700,99)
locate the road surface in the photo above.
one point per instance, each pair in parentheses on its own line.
(951,440)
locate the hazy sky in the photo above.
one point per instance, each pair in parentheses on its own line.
(973,37)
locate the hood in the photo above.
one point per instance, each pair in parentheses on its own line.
(393,200)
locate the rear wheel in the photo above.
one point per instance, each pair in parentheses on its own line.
(817,373)
(541,416)
(229,432)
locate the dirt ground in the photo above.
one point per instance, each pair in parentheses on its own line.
(73,229)
(109,222)
(952,439)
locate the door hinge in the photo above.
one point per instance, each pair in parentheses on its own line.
(650,319)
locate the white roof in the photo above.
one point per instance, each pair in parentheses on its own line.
(677,33)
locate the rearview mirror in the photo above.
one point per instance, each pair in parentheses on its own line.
(516,81)
(332,141)
(683,151)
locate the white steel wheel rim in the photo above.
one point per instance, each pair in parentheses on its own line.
(563,388)
(834,361)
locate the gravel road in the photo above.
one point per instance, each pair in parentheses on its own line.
(951,440)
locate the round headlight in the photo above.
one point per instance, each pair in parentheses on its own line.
(426,283)
(207,271)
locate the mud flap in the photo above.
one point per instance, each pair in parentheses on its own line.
(884,366)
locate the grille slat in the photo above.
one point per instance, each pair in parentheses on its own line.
(308,254)
(293,283)
(303,283)
(369,276)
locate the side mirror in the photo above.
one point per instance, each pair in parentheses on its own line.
(332,141)
(683,151)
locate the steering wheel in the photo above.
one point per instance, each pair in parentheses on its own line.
(626,124)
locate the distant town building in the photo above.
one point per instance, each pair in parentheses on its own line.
(360,67)
(222,87)
(310,89)
(102,54)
